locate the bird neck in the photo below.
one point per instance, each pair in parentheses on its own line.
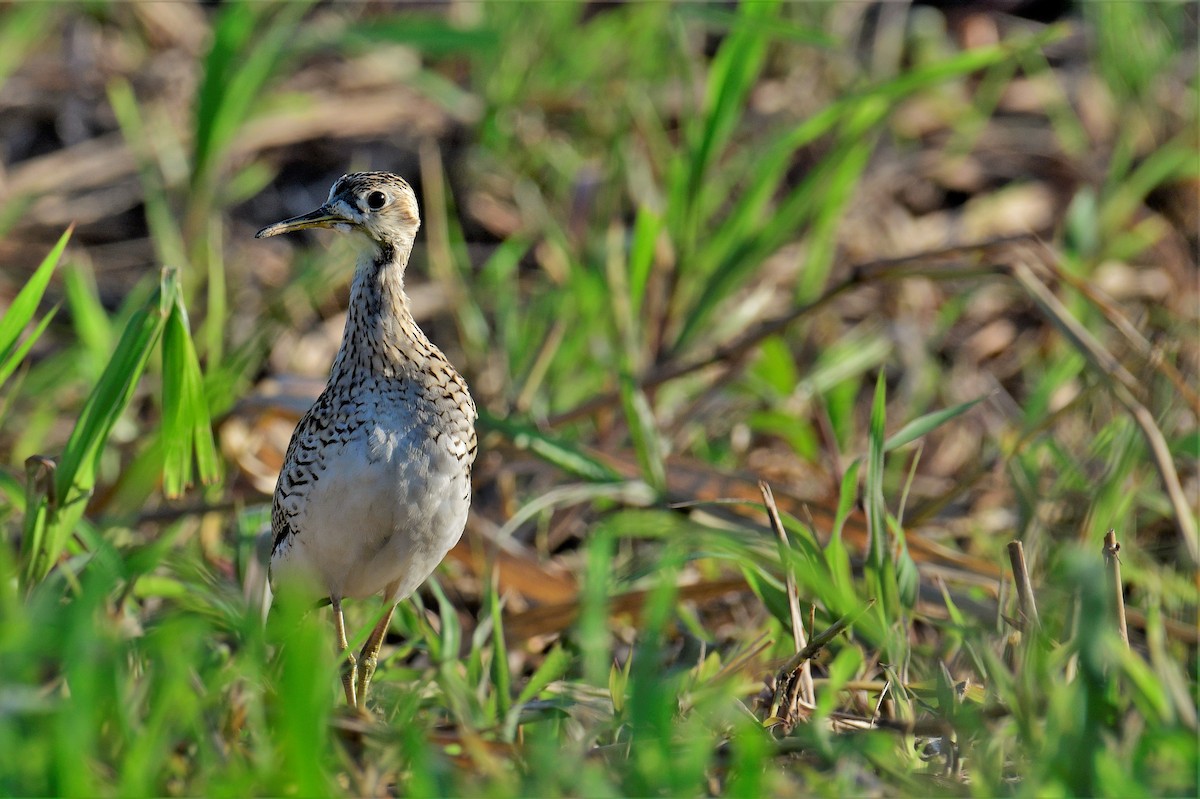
(381,336)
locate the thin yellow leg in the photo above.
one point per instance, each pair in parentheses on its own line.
(349,665)
(370,656)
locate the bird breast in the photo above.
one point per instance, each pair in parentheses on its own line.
(376,491)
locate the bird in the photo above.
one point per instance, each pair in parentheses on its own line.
(376,482)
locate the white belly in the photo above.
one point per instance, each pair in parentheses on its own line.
(383,511)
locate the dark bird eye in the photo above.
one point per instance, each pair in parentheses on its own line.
(376,200)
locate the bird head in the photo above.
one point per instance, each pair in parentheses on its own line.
(380,205)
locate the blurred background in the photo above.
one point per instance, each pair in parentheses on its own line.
(927,269)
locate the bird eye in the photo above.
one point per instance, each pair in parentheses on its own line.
(376,200)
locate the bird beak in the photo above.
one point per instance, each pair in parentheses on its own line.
(325,216)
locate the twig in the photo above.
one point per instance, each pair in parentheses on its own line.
(785,552)
(822,639)
(803,680)
(1112,557)
(787,679)
(879,704)
(1025,600)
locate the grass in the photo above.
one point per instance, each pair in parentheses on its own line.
(782,324)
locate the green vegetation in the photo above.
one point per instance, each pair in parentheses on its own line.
(933,283)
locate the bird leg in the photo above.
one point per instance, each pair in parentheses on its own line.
(369,657)
(349,665)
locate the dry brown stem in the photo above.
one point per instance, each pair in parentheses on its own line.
(1029,614)
(802,692)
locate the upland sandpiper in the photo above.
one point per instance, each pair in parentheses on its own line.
(376,482)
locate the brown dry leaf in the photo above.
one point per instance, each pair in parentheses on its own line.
(550,619)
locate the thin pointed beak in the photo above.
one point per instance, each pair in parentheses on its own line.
(325,216)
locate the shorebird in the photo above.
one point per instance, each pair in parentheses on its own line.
(376,482)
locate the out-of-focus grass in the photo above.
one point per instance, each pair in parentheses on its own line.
(667,178)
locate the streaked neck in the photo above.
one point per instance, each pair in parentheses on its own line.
(381,336)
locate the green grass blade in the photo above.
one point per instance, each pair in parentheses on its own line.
(501,676)
(908,580)
(434,36)
(88,316)
(641,256)
(877,551)
(747,239)
(13,359)
(721,19)
(923,425)
(592,629)
(553,450)
(115,388)
(836,193)
(22,29)
(217,114)
(450,641)
(731,77)
(160,216)
(837,557)
(553,666)
(24,306)
(249,41)
(647,441)
(1176,161)
(742,240)
(187,426)
(76,471)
